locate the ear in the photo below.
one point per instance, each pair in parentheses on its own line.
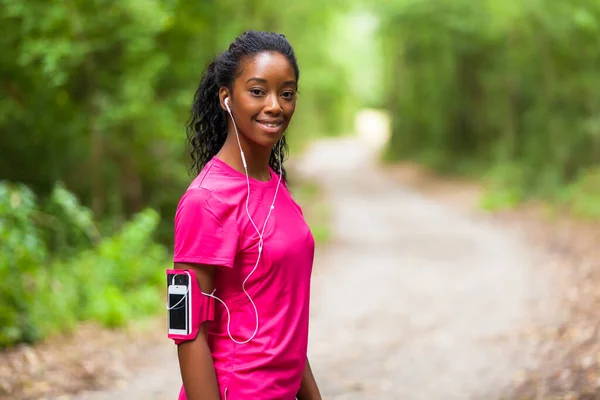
(223,94)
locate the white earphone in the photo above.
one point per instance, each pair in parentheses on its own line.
(259,232)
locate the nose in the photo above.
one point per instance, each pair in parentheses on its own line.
(272,105)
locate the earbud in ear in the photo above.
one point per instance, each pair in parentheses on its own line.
(227,104)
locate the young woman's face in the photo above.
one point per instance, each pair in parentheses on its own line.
(264,98)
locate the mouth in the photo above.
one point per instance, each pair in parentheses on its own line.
(270,126)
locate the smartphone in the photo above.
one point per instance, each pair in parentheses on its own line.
(179,309)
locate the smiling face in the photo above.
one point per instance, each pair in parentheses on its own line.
(264,98)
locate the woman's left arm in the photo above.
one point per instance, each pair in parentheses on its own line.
(308,388)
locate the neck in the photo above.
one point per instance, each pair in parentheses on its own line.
(257,157)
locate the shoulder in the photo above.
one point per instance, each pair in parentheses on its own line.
(214,182)
(200,201)
(218,181)
(194,198)
(211,193)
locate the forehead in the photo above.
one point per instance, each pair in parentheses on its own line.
(271,66)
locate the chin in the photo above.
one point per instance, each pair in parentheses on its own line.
(265,140)
(267,143)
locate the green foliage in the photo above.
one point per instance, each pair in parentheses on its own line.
(41,293)
(68,227)
(94,99)
(96,93)
(506,187)
(508,86)
(582,196)
(22,252)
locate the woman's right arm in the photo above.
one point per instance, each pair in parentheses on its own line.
(195,360)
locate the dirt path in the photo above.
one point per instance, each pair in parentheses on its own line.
(411,300)
(415,300)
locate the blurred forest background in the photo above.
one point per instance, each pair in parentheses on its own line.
(95,95)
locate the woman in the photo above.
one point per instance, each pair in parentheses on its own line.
(239,229)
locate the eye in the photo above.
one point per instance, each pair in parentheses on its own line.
(256,92)
(289,95)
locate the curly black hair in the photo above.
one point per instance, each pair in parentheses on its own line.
(207,128)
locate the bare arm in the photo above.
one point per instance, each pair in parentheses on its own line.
(308,388)
(195,360)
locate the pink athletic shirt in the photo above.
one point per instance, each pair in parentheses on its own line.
(212,227)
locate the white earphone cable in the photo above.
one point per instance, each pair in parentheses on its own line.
(260,234)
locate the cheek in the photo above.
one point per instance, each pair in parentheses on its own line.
(246,113)
(245,105)
(289,110)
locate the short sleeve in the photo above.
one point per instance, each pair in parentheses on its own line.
(205,232)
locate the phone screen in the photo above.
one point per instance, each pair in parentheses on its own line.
(177,315)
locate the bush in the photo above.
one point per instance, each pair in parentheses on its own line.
(582,196)
(42,292)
